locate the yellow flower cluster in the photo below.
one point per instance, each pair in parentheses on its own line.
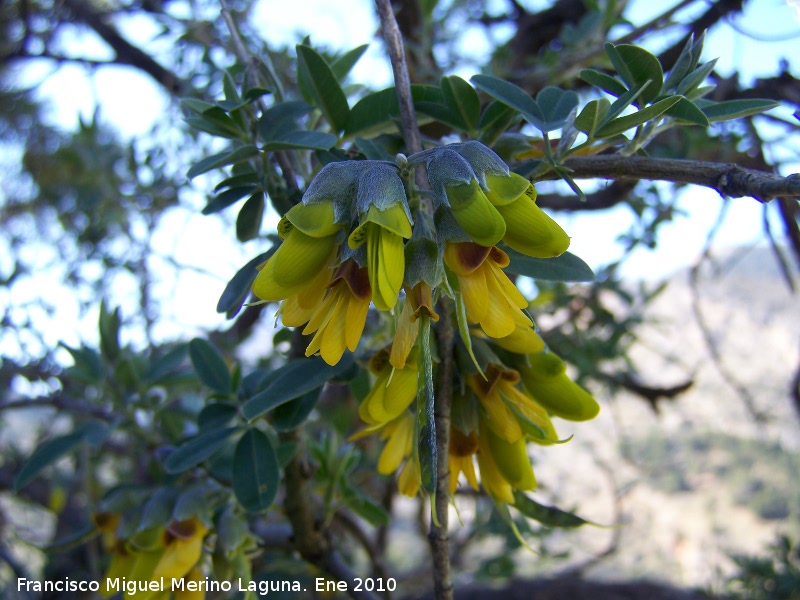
(148,556)
(323,283)
(345,247)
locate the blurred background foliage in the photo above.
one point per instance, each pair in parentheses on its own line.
(90,235)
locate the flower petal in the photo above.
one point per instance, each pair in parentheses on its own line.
(476,215)
(505,189)
(295,264)
(316,220)
(531,231)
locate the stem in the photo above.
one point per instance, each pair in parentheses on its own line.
(438,537)
(394,46)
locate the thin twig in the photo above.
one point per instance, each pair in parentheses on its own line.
(394,46)
(729,179)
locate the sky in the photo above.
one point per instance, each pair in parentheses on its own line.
(347,24)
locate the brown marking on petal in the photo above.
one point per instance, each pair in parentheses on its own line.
(470,255)
(511,376)
(378,361)
(499,257)
(357,279)
(183,530)
(106,520)
(484,387)
(463,445)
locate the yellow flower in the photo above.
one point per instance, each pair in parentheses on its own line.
(547,381)
(528,229)
(309,245)
(418,300)
(183,541)
(121,565)
(459,454)
(297,309)
(410,478)
(508,412)
(399,436)
(340,317)
(474,212)
(393,391)
(194,576)
(491,299)
(107,523)
(523,340)
(383,232)
(504,466)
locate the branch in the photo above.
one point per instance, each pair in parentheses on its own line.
(394,46)
(61,403)
(729,179)
(126,53)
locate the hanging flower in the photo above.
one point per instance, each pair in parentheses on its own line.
(183,542)
(528,229)
(339,318)
(393,392)
(309,235)
(545,378)
(418,301)
(399,436)
(509,412)
(459,456)
(383,232)
(491,299)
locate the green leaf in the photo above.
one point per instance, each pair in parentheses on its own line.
(555,105)
(693,80)
(549,516)
(637,66)
(109,324)
(230,196)
(566,267)
(592,115)
(734,109)
(302,140)
(222,159)
(623,102)
(292,414)
(462,99)
(653,111)
(256,473)
(507,93)
(210,366)
(292,381)
(324,87)
(495,120)
(239,287)
(50,451)
(687,111)
(216,415)
(280,119)
(248,222)
(158,509)
(605,82)
(234,181)
(375,112)
(197,449)
(216,121)
(341,66)
(88,366)
(362,505)
(162,366)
